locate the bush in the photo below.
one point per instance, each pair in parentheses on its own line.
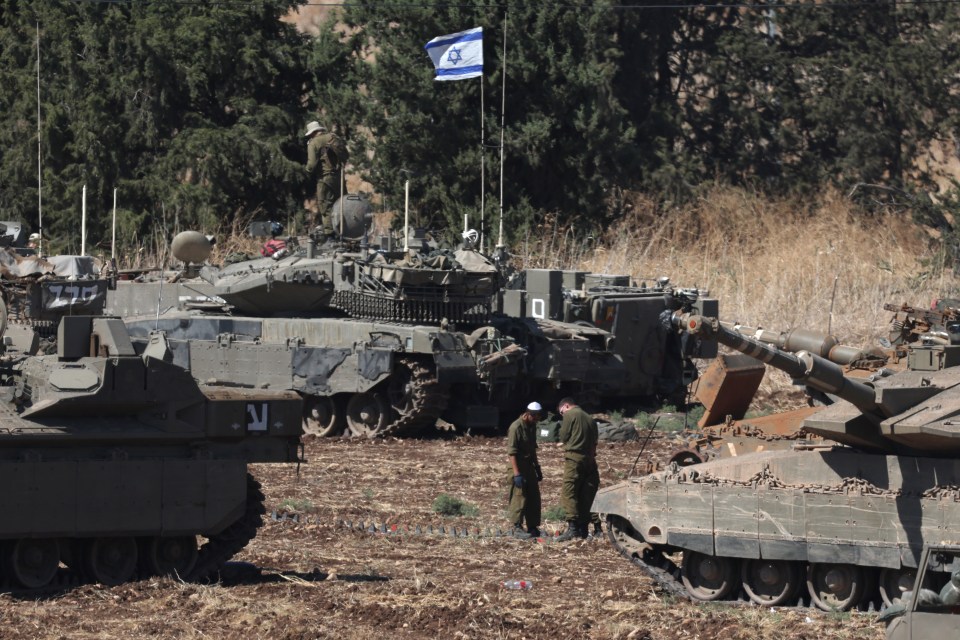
(302,505)
(555,514)
(447,505)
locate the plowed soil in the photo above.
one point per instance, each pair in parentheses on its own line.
(306,576)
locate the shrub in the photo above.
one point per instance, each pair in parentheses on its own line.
(447,505)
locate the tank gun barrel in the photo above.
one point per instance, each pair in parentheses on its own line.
(821,344)
(805,366)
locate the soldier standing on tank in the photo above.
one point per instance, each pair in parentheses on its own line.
(325,159)
(525,483)
(581,477)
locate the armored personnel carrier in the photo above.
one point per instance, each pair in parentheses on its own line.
(116,463)
(824,520)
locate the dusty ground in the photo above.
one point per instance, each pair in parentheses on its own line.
(313,579)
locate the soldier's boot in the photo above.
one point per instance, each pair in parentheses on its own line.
(518,532)
(597,529)
(572,532)
(534,532)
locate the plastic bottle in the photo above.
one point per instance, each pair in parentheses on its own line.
(522,585)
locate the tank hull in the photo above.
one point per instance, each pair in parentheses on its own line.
(804,509)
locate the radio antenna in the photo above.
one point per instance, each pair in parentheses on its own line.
(39,174)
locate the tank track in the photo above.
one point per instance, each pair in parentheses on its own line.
(429,399)
(210,560)
(667,575)
(651,561)
(220,548)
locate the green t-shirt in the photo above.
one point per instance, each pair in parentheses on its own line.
(578,431)
(522,440)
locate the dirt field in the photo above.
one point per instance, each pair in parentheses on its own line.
(314,579)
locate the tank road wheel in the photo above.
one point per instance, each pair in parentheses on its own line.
(367,414)
(173,556)
(685,457)
(893,582)
(770,582)
(33,562)
(706,577)
(110,561)
(321,417)
(835,587)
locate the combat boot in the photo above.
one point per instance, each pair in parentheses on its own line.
(572,532)
(519,533)
(597,531)
(534,532)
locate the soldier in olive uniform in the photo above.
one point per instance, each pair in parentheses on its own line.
(325,159)
(581,478)
(525,483)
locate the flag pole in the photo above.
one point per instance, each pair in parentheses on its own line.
(483,184)
(503,110)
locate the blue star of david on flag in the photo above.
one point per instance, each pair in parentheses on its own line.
(457,56)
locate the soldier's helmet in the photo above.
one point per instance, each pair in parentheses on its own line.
(276,229)
(312,128)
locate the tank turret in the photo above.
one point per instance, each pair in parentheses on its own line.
(907,412)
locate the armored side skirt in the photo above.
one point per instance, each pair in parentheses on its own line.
(80,498)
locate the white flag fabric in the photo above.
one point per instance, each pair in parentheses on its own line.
(458,55)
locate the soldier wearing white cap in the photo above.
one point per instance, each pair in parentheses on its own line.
(525,482)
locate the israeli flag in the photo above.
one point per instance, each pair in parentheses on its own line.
(457,56)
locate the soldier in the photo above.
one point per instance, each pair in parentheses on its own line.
(525,484)
(581,478)
(274,247)
(326,155)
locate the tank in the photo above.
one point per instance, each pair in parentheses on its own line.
(36,292)
(118,464)
(367,337)
(818,523)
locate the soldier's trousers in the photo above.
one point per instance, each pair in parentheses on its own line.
(525,503)
(328,191)
(581,481)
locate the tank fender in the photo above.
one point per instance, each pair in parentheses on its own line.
(613,500)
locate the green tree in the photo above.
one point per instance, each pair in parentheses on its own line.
(568,138)
(191,111)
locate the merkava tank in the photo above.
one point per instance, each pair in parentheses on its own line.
(116,463)
(365,335)
(846,521)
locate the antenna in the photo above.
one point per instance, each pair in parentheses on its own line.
(113,236)
(83,223)
(503,109)
(39,174)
